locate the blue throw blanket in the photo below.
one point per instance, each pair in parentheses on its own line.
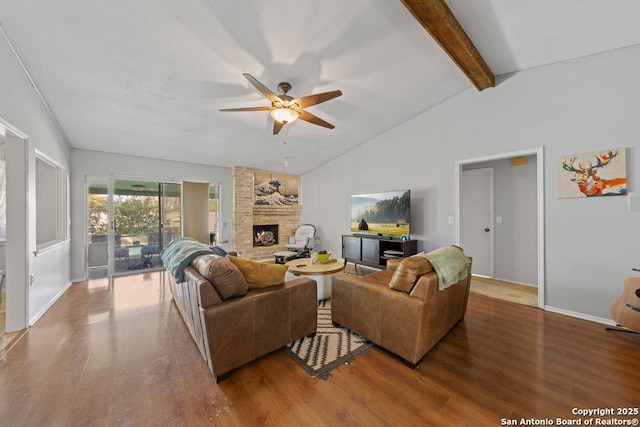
(179,254)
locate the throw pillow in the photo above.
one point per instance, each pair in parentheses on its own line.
(260,274)
(203,263)
(223,275)
(408,273)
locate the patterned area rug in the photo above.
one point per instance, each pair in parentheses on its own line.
(331,347)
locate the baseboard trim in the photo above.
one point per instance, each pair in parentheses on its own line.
(582,316)
(515,282)
(44,309)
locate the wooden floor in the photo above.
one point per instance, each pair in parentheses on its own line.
(507,291)
(117,353)
(5,338)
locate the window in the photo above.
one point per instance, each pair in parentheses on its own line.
(51,203)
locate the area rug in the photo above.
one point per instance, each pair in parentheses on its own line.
(329,348)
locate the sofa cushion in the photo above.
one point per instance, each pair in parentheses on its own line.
(408,273)
(204,263)
(223,275)
(260,274)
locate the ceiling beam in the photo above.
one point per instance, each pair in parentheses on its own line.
(436,17)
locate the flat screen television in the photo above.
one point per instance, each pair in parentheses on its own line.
(385,214)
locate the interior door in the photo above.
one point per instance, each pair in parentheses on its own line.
(476,213)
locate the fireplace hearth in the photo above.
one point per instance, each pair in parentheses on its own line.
(265,235)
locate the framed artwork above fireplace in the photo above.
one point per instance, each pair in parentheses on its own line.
(271,188)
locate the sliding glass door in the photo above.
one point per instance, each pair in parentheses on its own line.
(170,208)
(146,218)
(97,229)
(130,221)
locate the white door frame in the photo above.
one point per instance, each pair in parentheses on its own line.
(20,157)
(539,153)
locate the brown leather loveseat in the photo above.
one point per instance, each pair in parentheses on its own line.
(238,310)
(403,308)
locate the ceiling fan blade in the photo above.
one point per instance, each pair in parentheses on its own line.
(247,109)
(308,117)
(262,88)
(307,101)
(277,126)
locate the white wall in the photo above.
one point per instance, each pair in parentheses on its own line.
(93,163)
(577,106)
(21,106)
(515,201)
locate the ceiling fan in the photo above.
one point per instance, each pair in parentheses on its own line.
(286,109)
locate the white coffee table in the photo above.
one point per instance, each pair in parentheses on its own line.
(321,273)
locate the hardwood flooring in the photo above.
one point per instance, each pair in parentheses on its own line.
(6,339)
(507,291)
(117,353)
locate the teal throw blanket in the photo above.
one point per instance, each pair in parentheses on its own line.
(179,254)
(450,263)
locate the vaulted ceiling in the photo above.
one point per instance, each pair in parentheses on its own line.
(148,78)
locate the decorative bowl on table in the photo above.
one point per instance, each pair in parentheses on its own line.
(323,256)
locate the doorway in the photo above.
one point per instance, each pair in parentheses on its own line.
(516,226)
(19,210)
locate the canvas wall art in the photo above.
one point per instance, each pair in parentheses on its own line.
(599,173)
(272,188)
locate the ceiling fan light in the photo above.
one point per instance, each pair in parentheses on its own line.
(284,115)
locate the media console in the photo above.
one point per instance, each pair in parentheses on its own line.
(374,251)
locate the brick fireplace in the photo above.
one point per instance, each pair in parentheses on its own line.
(246,215)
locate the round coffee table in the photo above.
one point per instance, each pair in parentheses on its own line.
(321,273)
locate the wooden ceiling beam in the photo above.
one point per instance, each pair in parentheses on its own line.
(436,17)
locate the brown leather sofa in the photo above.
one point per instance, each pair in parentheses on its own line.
(233,321)
(400,308)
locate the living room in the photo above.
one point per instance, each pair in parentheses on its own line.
(585,104)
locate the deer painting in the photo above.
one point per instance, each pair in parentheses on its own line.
(591,184)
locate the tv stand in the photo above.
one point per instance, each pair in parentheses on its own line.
(374,251)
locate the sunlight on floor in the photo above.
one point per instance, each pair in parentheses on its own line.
(506,291)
